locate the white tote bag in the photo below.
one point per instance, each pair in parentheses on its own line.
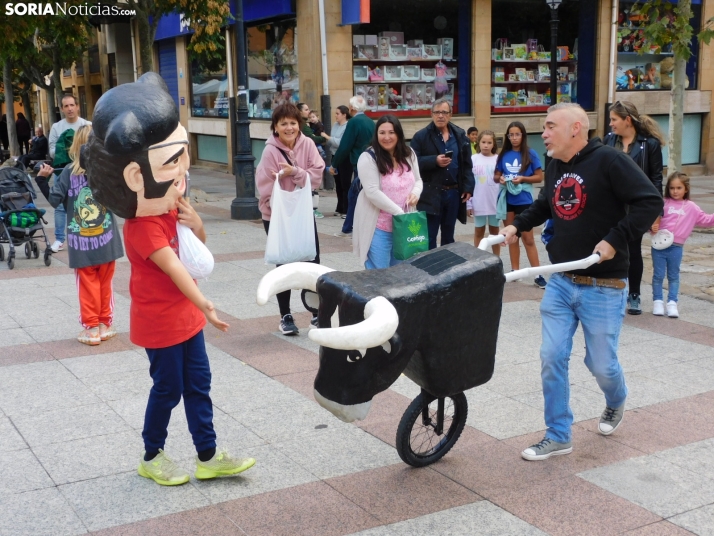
(193,253)
(291,237)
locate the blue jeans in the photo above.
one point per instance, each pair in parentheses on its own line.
(669,259)
(352,195)
(601,311)
(180,370)
(60,223)
(450,200)
(380,251)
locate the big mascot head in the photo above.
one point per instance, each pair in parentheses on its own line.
(137,154)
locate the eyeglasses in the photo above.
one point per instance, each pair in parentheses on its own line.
(439,112)
(516,135)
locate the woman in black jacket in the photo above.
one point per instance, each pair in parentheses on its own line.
(640,137)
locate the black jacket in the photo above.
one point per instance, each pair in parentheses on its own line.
(426,144)
(647,153)
(587,199)
(39,148)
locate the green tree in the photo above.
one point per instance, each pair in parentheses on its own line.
(670,24)
(206,19)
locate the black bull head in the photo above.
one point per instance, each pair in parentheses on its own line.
(434,317)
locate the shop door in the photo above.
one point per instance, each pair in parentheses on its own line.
(167,66)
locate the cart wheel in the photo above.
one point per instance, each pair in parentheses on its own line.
(421,438)
(2,253)
(35,249)
(28,250)
(11,263)
(48,257)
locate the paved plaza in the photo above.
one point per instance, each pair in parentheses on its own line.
(71,416)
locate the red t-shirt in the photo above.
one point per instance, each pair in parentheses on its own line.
(160,314)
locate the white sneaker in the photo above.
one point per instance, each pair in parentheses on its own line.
(57,246)
(342,235)
(658,308)
(672,311)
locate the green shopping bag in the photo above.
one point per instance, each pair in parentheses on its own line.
(410,235)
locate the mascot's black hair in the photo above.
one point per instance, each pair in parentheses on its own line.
(127,120)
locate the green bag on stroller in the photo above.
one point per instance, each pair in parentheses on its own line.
(23,219)
(410,235)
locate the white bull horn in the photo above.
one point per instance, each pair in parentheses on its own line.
(379,325)
(296,275)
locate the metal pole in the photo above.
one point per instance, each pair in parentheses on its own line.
(553,56)
(245,205)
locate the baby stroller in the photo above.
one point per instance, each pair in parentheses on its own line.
(20,219)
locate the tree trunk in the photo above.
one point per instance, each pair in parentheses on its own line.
(50,99)
(146,42)
(10,108)
(57,78)
(676,116)
(27,105)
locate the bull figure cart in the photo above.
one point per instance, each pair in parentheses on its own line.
(414,318)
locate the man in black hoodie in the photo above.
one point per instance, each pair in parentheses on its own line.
(588,189)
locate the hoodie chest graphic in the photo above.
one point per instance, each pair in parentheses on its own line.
(569,196)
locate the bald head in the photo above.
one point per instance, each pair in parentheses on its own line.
(574,114)
(566,130)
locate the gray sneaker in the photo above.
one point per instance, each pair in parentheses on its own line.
(611,419)
(633,304)
(545,449)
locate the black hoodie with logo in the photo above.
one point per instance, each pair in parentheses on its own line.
(600,194)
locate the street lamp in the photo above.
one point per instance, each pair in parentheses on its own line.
(245,205)
(553,5)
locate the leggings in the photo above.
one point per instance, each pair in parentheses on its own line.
(636,265)
(284,297)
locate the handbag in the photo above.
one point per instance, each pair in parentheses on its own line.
(193,253)
(662,239)
(291,236)
(410,234)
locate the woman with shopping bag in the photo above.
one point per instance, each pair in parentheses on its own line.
(289,170)
(391,182)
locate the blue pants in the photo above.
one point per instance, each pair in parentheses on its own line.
(60,223)
(601,311)
(180,370)
(666,259)
(380,251)
(450,200)
(352,195)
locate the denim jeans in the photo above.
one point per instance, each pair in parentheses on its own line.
(669,259)
(600,310)
(60,223)
(179,371)
(450,200)
(352,195)
(380,251)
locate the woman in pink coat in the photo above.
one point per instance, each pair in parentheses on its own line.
(289,151)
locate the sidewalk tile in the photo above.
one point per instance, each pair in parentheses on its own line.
(698,521)
(15,336)
(120,385)
(313,509)
(71,347)
(61,395)
(86,367)
(661,528)
(209,520)
(20,471)
(22,354)
(482,518)
(572,506)
(9,438)
(504,417)
(93,457)
(400,492)
(61,425)
(655,484)
(696,457)
(38,513)
(272,471)
(126,498)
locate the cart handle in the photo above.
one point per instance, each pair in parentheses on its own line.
(553,268)
(491,240)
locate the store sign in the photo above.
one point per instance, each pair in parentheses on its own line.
(265,9)
(172,25)
(355,12)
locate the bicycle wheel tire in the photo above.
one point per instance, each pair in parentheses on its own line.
(418,443)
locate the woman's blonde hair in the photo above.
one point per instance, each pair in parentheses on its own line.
(643,124)
(81,136)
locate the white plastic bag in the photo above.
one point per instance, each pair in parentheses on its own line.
(291,237)
(193,253)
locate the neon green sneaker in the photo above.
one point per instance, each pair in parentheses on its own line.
(163,470)
(222,464)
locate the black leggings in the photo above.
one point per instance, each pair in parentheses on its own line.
(284,297)
(636,265)
(343,179)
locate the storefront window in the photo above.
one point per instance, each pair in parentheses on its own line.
(209,84)
(649,69)
(272,67)
(401,65)
(520,57)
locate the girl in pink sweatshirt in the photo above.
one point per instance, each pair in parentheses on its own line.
(680,217)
